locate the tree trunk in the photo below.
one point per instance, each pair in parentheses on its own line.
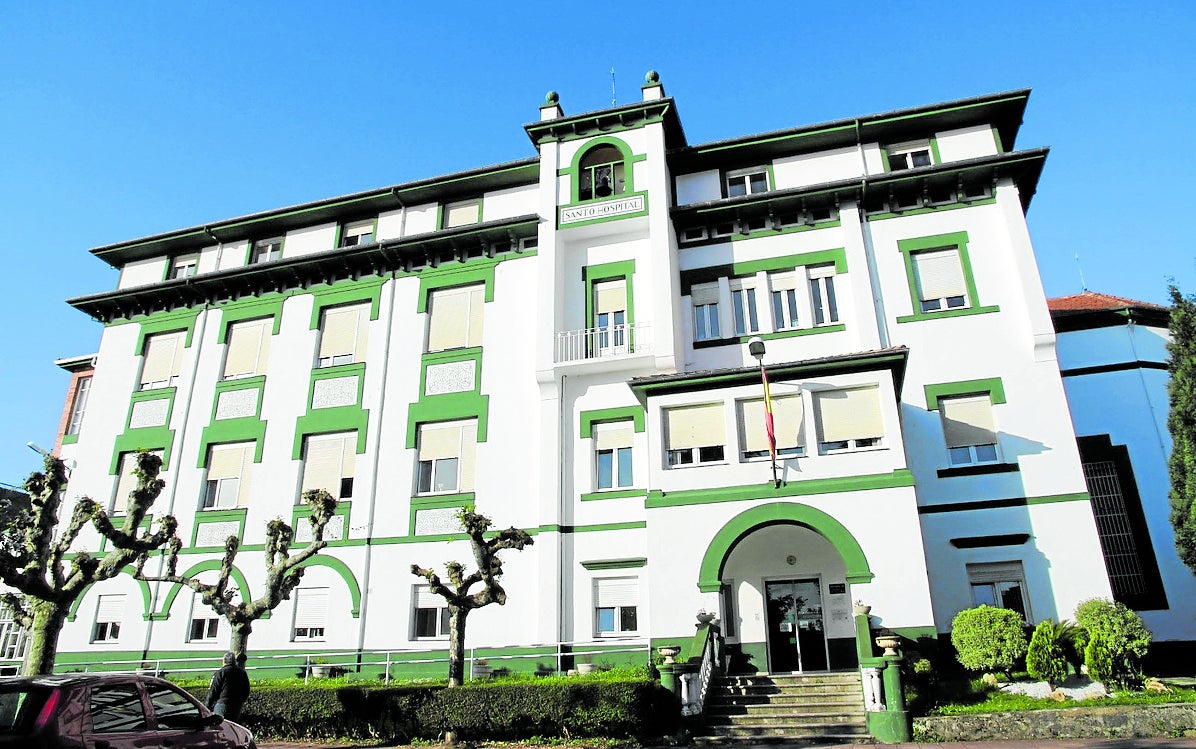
(457,617)
(239,641)
(48,619)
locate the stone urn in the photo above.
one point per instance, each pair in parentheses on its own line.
(889,642)
(482,670)
(861,609)
(669,653)
(321,670)
(705,617)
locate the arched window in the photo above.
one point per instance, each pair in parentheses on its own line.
(601,173)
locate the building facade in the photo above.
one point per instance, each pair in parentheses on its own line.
(562,342)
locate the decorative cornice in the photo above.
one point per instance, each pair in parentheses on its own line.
(603,121)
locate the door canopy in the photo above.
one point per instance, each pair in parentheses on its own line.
(741,525)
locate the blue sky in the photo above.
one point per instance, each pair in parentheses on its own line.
(129,119)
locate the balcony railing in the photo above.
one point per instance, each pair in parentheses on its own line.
(602,343)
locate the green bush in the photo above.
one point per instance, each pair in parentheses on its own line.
(510,710)
(1045,658)
(988,639)
(1124,640)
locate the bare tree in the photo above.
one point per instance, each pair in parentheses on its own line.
(283,571)
(35,565)
(456,593)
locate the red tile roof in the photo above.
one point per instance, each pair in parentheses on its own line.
(1090,301)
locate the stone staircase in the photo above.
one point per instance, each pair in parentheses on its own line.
(825,707)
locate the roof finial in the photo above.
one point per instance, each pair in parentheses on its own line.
(1080,268)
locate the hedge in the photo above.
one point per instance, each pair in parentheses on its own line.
(542,708)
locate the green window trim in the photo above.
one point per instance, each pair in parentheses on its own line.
(235,575)
(615,564)
(142,585)
(450,356)
(993,387)
(970,203)
(267,306)
(619,270)
(710,274)
(238,429)
(725,174)
(442,205)
(457,274)
(455,500)
(340,230)
(630,159)
(898,478)
(352,418)
(614,494)
(70,439)
(301,513)
(142,396)
(147,438)
(345,574)
(935,156)
(167,322)
(448,407)
(345,293)
(954,240)
(205,517)
(588,419)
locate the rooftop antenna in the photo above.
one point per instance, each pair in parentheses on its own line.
(1080,268)
(612,87)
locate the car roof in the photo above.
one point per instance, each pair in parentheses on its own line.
(71,680)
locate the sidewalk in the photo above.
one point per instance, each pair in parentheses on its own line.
(1144,743)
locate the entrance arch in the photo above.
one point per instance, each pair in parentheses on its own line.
(795,513)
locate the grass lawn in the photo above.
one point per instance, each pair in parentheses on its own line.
(966,697)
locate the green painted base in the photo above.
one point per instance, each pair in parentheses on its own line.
(890,727)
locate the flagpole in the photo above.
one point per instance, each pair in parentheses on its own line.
(756,349)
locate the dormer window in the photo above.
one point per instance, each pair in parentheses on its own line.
(265,250)
(463,213)
(909,155)
(601,174)
(360,232)
(747,182)
(184,266)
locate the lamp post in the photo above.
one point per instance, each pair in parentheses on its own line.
(756,349)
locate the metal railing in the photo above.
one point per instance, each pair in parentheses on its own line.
(698,685)
(601,343)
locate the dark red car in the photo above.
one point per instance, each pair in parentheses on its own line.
(109,711)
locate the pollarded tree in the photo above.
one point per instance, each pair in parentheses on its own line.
(456,593)
(36,566)
(283,571)
(1181,422)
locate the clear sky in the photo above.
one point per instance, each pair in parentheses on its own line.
(121,120)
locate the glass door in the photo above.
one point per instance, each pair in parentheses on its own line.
(796,637)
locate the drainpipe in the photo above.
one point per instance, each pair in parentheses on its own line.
(176,461)
(560,578)
(369,527)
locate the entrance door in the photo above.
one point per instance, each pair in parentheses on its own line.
(796,640)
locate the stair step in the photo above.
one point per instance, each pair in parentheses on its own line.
(839,733)
(812,708)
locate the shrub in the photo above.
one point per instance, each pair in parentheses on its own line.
(1124,640)
(988,639)
(1045,658)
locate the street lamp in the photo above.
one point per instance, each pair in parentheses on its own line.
(756,349)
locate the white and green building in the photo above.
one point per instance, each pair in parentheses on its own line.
(561,341)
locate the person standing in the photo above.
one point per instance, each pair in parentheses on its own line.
(229,688)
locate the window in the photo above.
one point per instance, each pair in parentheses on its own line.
(848,419)
(163,360)
(705,303)
(311,614)
(227,481)
(1115,526)
(616,602)
(110,610)
(610,316)
(1001,585)
(126,482)
(361,232)
(788,426)
(446,457)
(909,155)
(79,406)
(822,295)
(940,280)
(696,434)
(612,454)
(462,214)
(785,300)
(743,307)
(248,348)
(184,266)
(431,614)
(601,173)
(329,463)
(116,708)
(455,317)
(173,710)
(343,335)
(205,623)
(265,250)
(968,429)
(14,641)
(747,182)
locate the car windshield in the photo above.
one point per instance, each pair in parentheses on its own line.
(19,706)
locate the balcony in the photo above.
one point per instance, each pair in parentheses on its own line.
(611,342)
